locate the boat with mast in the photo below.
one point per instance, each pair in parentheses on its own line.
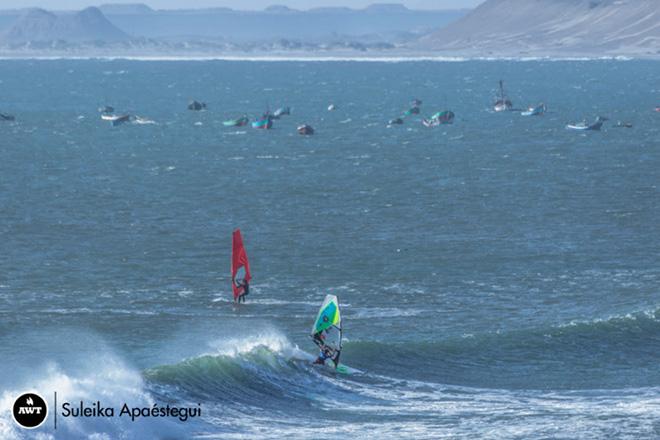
(265,122)
(503,103)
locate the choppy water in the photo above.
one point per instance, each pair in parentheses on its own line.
(499,277)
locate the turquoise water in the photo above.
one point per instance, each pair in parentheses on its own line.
(498,277)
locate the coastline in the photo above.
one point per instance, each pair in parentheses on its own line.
(379,57)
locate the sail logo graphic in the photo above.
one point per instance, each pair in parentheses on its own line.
(30,410)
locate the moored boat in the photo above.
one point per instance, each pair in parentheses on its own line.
(239,122)
(196,105)
(439,118)
(265,122)
(622,124)
(305,129)
(116,119)
(281,112)
(584,126)
(503,103)
(412,111)
(535,111)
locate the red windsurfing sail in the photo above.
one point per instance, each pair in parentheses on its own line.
(240,267)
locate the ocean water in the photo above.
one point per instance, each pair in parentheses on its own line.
(498,277)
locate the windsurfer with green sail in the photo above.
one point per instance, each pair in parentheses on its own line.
(326,332)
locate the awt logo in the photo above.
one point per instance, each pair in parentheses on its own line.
(30,410)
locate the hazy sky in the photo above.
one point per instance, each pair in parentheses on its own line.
(237,4)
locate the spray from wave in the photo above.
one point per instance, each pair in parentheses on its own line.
(106,379)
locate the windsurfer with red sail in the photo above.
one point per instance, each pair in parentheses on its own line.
(245,285)
(240,282)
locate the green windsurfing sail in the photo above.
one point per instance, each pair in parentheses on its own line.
(326,331)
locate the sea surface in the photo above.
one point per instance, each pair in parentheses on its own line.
(498,277)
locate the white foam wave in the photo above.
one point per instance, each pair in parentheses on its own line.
(237,346)
(273,340)
(651,314)
(383,312)
(106,379)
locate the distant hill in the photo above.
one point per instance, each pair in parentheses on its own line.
(135,29)
(386,22)
(555,27)
(378,23)
(391,8)
(125,8)
(38,25)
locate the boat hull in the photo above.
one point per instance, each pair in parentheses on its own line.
(535,111)
(263,124)
(236,122)
(593,127)
(503,106)
(305,130)
(115,119)
(440,118)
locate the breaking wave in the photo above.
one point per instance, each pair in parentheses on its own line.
(106,379)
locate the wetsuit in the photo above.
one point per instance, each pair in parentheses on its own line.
(322,357)
(246,290)
(326,353)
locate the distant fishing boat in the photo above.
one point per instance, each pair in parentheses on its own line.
(503,103)
(305,129)
(331,107)
(584,126)
(440,118)
(412,111)
(196,105)
(265,122)
(116,119)
(621,124)
(239,122)
(281,112)
(395,121)
(535,111)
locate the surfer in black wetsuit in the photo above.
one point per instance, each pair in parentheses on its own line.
(246,289)
(325,353)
